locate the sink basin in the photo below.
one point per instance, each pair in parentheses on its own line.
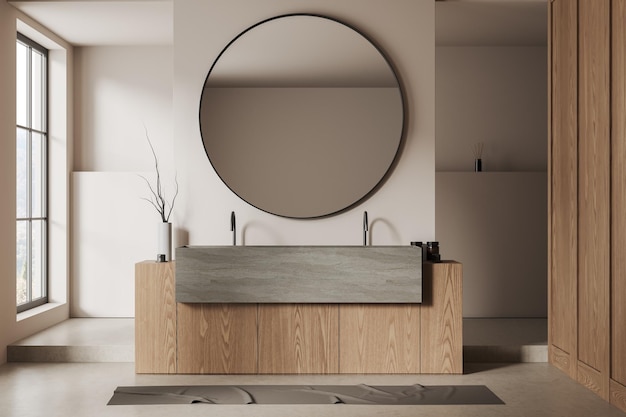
(299,274)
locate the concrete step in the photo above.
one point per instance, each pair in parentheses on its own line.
(113,340)
(79,340)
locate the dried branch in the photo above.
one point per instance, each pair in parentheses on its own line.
(477,150)
(157,199)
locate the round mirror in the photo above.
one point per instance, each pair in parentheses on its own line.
(301,116)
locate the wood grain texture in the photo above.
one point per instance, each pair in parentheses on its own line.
(617,394)
(559,358)
(442,318)
(594,190)
(549,161)
(618,195)
(593,380)
(217,338)
(563,183)
(379,338)
(298,338)
(155,318)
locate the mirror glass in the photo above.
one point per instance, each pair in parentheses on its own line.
(301,116)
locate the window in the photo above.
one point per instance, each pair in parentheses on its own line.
(31,163)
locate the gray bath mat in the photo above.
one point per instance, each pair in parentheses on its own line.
(306,394)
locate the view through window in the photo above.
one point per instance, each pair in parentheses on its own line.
(31,162)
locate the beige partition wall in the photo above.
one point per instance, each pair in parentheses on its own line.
(587,266)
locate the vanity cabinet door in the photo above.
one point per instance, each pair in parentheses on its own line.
(298,338)
(379,338)
(217,338)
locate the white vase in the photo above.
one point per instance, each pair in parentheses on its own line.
(164,242)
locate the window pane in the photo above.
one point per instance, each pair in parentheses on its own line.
(22,264)
(37,258)
(22,173)
(22,84)
(31,174)
(37,175)
(37,93)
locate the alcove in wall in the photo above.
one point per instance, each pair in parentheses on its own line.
(491,88)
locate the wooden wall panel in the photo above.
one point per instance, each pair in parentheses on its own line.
(563,201)
(600,314)
(442,318)
(155,318)
(594,182)
(618,395)
(560,359)
(549,162)
(379,338)
(217,338)
(298,338)
(618,214)
(593,379)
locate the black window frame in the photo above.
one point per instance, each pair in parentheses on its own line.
(43,217)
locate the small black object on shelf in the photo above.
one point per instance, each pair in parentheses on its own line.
(432,252)
(477,150)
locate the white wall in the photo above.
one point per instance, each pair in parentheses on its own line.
(401,211)
(113,228)
(114,101)
(12,327)
(495,95)
(120,91)
(7,178)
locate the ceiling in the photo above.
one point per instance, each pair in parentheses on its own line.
(108,22)
(150,22)
(491,23)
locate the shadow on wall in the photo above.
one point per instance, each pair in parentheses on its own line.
(495,224)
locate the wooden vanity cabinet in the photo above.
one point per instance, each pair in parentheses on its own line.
(155,318)
(291,338)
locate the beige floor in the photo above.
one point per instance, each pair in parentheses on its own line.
(83,389)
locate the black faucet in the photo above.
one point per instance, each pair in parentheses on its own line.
(233,227)
(366,228)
